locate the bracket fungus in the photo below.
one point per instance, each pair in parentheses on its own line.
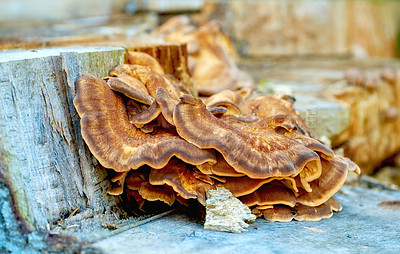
(169,146)
(270,195)
(118,144)
(278,213)
(251,151)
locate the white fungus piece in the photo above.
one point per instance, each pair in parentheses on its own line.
(224,212)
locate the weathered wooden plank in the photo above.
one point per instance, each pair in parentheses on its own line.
(48,168)
(165,6)
(27,12)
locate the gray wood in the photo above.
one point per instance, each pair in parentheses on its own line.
(49,169)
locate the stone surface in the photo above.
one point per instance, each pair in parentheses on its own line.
(389,175)
(326,117)
(368,223)
(226,213)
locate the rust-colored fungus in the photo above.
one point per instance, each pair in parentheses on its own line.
(152,193)
(151,79)
(221,168)
(119,189)
(249,150)
(333,175)
(140,58)
(280,213)
(169,146)
(131,81)
(133,196)
(227,99)
(140,117)
(115,142)
(182,179)
(166,103)
(287,126)
(240,186)
(317,213)
(218,110)
(135,180)
(270,195)
(163,104)
(265,106)
(131,90)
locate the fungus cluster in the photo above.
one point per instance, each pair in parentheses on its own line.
(167,145)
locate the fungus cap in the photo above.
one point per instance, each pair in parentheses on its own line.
(265,106)
(151,79)
(115,142)
(279,213)
(270,194)
(332,178)
(182,179)
(153,193)
(144,59)
(249,150)
(317,213)
(129,90)
(227,99)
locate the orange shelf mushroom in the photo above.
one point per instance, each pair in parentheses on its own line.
(258,153)
(118,144)
(171,147)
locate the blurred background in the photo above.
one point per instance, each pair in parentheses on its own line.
(259,28)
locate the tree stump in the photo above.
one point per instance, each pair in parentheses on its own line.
(48,168)
(173,59)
